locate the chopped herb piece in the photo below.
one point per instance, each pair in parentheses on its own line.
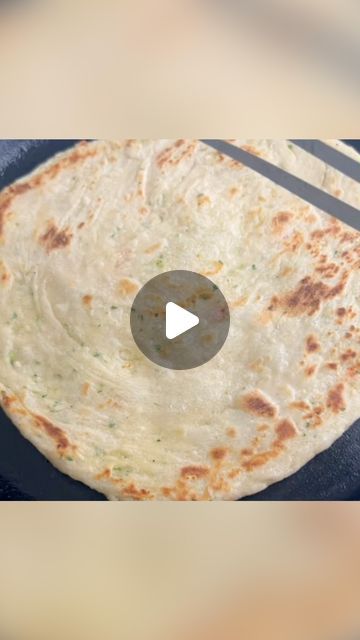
(114,307)
(158,440)
(14,316)
(44,395)
(215,287)
(97,354)
(160,261)
(253,266)
(122,470)
(291,146)
(69,459)
(158,347)
(111,425)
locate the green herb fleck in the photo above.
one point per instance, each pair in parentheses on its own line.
(69,459)
(114,307)
(44,395)
(14,316)
(12,358)
(291,146)
(253,266)
(111,425)
(160,261)
(158,440)
(122,470)
(307,424)
(158,348)
(97,354)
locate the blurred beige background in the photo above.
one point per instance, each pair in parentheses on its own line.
(219,571)
(179,68)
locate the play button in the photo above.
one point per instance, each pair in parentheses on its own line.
(179,319)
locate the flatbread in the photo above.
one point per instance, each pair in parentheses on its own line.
(85,231)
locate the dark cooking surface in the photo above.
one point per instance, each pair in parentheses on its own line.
(26,475)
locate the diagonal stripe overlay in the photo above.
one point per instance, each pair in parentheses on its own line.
(324,201)
(331,156)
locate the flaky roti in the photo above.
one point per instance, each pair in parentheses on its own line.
(81,235)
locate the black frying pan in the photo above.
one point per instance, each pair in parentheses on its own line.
(26,475)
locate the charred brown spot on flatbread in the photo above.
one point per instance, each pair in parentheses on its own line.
(348,355)
(280,221)
(310,370)
(8,400)
(104,475)
(332,229)
(335,398)
(331,365)
(307,297)
(54,238)
(231,432)
(219,453)
(300,405)
(285,430)
(127,287)
(57,434)
(5,275)
(251,149)
(131,491)
(329,270)
(5,201)
(312,344)
(176,153)
(257,404)
(87,300)
(193,472)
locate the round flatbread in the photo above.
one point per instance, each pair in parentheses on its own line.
(84,232)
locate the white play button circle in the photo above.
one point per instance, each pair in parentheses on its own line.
(178,320)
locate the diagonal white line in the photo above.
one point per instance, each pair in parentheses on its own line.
(318,198)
